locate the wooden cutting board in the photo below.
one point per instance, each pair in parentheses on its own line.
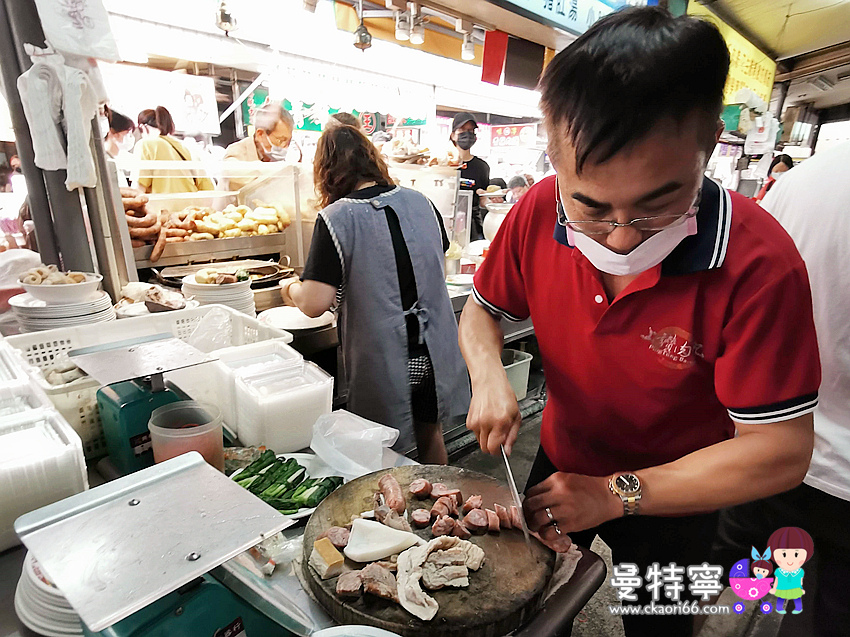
(502,595)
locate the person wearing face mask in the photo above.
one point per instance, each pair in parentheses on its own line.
(158,144)
(273,126)
(780,165)
(119,132)
(474,168)
(674,317)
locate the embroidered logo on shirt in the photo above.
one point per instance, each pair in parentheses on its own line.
(674,346)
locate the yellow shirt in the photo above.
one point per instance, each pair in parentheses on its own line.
(166,148)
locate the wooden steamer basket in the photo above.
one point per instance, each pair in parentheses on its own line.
(502,595)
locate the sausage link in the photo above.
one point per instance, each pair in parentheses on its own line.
(145,233)
(159,246)
(141,222)
(393,495)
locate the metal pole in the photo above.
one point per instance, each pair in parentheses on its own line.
(783,93)
(36,192)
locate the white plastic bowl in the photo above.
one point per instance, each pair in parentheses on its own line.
(66,293)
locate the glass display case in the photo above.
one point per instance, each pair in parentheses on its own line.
(263,217)
(273,213)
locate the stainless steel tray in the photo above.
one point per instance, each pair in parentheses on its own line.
(121,546)
(211,250)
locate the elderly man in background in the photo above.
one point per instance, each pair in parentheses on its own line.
(273,126)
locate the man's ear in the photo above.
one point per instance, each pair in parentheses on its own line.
(719,131)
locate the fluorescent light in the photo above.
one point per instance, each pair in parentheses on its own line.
(467,49)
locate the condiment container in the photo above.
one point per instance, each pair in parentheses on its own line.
(278,408)
(187,426)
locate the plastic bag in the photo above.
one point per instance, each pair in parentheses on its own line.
(352,446)
(213,332)
(80,27)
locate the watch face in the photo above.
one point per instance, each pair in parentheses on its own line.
(627,483)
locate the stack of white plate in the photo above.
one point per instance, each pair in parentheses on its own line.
(35,315)
(41,607)
(238,296)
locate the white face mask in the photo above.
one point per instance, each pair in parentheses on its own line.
(777,175)
(644,256)
(126,145)
(278,153)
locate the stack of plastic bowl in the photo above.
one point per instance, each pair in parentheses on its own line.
(238,296)
(47,307)
(41,606)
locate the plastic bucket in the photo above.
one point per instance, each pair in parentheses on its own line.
(187,426)
(516,366)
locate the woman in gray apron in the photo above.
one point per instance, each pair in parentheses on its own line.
(377,256)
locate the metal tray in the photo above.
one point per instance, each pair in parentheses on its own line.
(123,545)
(211,250)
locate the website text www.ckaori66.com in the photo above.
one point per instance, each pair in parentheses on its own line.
(682,608)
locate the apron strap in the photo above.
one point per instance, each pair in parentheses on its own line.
(422,316)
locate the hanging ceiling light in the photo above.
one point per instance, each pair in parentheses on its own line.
(224,19)
(467,49)
(417,25)
(402,25)
(362,37)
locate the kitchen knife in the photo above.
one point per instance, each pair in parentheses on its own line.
(515,496)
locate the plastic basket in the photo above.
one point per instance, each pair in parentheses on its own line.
(77,401)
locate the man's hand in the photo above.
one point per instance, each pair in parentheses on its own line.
(494,416)
(576,502)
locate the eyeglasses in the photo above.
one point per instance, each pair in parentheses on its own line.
(642,224)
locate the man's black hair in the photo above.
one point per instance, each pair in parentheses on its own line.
(626,73)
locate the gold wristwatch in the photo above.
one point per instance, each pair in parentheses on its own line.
(627,487)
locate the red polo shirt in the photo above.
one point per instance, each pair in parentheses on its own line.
(721,330)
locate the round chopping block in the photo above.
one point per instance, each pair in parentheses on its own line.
(502,595)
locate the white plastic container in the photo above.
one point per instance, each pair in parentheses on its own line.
(278,409)
(517,365)
(77,401)
(247,360)
(187,426)
(41,462)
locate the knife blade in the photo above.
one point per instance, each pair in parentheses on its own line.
(515,496)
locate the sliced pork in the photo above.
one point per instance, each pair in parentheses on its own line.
(349,584)
(377,580)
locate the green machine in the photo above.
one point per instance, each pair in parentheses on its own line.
(132,374)
(141,556)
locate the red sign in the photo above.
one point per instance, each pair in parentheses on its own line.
(369,122)
(519,135)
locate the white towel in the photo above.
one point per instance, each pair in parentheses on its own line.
(80,106)
(41,89)
(56,97)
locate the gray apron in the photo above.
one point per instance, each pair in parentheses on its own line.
(371,318)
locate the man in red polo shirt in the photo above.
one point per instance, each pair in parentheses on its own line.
(674,318)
